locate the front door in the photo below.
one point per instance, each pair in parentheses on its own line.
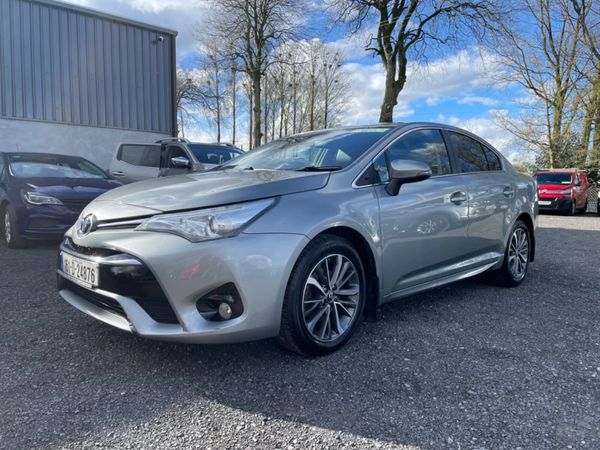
(424,227)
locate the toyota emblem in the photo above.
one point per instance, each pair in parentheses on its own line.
(86,225)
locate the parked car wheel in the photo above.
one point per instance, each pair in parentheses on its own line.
(572,209)
(584,208)
(517,257)
(325,297)
(10,230)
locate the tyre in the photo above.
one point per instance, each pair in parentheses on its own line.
(10,228)
(325,297)
(572,209)
(516,257)
(584,209)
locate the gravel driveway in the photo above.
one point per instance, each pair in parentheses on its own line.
(467,366)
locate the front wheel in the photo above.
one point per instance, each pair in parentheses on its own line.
(325,297)
(10,228)
(572,209)
(516,256)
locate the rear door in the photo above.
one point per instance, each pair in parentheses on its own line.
(424,227)
(491,192)
(136,162)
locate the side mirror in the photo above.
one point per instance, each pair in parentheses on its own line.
(406,171)
(180,161)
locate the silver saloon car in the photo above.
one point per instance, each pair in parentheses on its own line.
(301,238)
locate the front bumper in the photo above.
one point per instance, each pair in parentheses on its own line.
(554,203)
(46,221)
(258,265)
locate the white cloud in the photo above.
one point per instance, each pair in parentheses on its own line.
(179,15)
(454,76)
(476,99)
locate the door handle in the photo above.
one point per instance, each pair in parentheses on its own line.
(118,173)
(458,197)
(508,191)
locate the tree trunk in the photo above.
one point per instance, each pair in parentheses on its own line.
(266,116)
(218,108)
(251,121)
(233,104)
(393,87)
(256,119)
(312,103)
(595,161)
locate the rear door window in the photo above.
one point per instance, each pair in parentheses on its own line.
(140,155)
(469,153)
(423,145)
(492,159)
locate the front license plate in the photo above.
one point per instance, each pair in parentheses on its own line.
(544,202)
(80,270)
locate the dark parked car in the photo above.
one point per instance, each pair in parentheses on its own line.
(172,156)
(41,194)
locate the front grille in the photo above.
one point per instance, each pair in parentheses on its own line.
(92,297)
(43,223)
(88,251)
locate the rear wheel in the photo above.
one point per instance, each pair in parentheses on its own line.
(583,210)
(10,228)
(324,299)
(516,257)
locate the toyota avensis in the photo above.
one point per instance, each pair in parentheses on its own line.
(300,238)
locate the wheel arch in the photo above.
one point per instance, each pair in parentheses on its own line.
(358,241)
(528,221)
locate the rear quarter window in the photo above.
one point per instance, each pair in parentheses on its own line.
(140,155)
(469,153)
(492,159)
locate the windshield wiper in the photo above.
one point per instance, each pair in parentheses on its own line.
(319,168)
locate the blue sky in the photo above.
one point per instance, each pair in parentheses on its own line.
(455,87)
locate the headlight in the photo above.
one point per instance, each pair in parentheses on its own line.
(207,224)
(565,191)
(40,199)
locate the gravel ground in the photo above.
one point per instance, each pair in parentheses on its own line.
(467,366)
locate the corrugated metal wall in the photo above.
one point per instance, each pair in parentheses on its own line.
(63,65)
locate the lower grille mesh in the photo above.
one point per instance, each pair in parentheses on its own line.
(94,298)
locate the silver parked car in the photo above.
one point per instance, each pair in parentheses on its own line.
(300,238)
(171,156)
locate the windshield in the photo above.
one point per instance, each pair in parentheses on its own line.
(207,154)
(553,178)
(322,150)
(51,166)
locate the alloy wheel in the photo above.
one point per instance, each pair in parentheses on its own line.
(7,227)
(330,300)
(518,254)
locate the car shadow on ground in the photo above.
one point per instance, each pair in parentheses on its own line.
(470,363)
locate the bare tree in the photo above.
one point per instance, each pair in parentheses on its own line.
(587,13)
(187,94)
(543,56)
(252,29)
(411,27)
(214,95)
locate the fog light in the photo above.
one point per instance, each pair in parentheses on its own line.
(225,311)
(223,303)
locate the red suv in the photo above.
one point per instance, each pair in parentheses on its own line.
(564,190)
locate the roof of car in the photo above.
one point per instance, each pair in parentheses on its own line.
(558,171)
(43,155)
